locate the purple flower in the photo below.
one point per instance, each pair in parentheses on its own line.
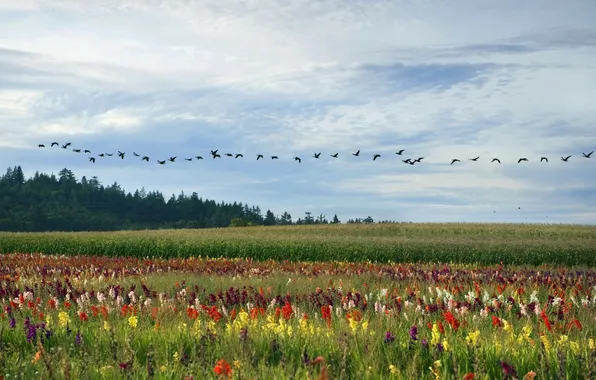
(78,339)
(389,337)
(12,323)
(414,332)
(440,347)
(424,343)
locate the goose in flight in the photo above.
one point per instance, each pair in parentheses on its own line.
(87,151)
(316,155)
(357,153)
(121,154)
(407,161)
(145,158)
(102,155)
(64,146)
(259,156)
(229,155)
(76,150)
(172,159)
(376,156)
(454,161)
(565,159)
(198,157)
(161,162)
(92,159)
(522,159)
(298,159)
(419,159)
(41,146)
(334,155)
(400,152)
(587,155)
(274,158)
(109,154)
(216,155)
(54,144)
(474,159)
(214,152)
(135,154)
(188,159)
(543,159)
(495,159)
(238,155)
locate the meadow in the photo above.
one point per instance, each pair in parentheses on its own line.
(515,244)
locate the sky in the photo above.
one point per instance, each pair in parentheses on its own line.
(441,79)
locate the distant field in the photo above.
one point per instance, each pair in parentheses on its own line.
(520,244)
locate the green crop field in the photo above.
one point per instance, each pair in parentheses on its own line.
(568,245)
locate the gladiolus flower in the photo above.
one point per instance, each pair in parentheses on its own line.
(223,368)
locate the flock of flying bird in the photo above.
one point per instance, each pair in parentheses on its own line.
(215,154)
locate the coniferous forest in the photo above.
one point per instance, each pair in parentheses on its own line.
(46,202)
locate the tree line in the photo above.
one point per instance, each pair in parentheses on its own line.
(46,202)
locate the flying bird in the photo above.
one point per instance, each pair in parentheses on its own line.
(55,144)
(135,154)
(334,155)
(41,146)
(522,159)
(102,155)
(64,146)
(298,159)
(198,157)
(259,156)
(121,154)
(376,156)
(216,155)
(172,159)
(356,154)
(92,159)
(76,150)
(454,161)
(407,161)
(274,158)
(109,154)
(87,151)
(238,155)
(316,155)
(188,159)
(495,159)
(67,144)
(419,159)
(400,152)
(587,155)
(161,162)
(565,159)
(474,159)
(214,152)
(145,158)
(229,155)
(543,159)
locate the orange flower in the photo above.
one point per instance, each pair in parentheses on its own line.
(530,375)
(192,313)
(223,368)
(83,316)
(469,376)
(287,311)
(67,304)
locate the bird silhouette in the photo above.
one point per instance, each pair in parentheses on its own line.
(214,152)
(407,161)
(76,150)
(238,155)
(102,155)
(522,159)
(54,144)
(474,159)
(259,156)
(172,159)
(400,152)
(229,155)
(109,154)
(135,154)
(188,159)
(587,155)
(376,156)
(198,157)
(92,159)
(68,144)
(216,155)
(543,159)
(41,146)
(565,159)
(496,159)
(121,154)
(145,158)
(274,158)
(161,162)
(356,154)
(64,146)
(87,151)
(334,155)
(454,161)
(316,155)
(419,159)
(298,159)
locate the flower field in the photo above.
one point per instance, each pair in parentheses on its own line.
(469,243)
(90,317)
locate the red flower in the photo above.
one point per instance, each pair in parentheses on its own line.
(287,311)
(223,368)
(83,316)
(546,321)
(326,313)
(469,376)
(497,322)
(192,313)
(451,320)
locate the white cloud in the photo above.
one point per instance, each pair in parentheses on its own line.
(440,79)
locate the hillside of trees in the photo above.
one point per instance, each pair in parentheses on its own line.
(46,202)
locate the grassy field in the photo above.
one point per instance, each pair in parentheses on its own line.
(569,245)
(96,317)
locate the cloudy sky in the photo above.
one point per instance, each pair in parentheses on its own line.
(441,79)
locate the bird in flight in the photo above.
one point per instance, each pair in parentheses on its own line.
(474,159)
(496,159)
(54,144)
(66,145)
(543,159)
(400,152)
(238,155)
(87,151)
(376,156)
(188,159)
(565,159)
(229,155)
(522,159)
(214,152)
(109,154)
(298,159)
(172,159)
(334,155)
(356,154)
(259,156)
(317,155)
(92,159)
(215,155)
(454,161)
(121,154)
(145,158)
(102,155)
(274,158)
(41,146)
(587,155)
(161,162)
(419,159)
(198,157)
(135,154)
(76,150)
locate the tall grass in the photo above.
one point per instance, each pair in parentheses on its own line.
(518,244)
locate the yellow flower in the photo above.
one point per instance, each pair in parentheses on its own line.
(562,340)
(353,325)
(364,325)
(237,364)
(545,342)
(49,321)
(163,368)
(182,326)
(133,320)
(437,363)
(591,344)
(243,317)
(176,356)
(392,369)
(435,369)
(574,347)
(472,337)
(106,326)
(63,318)
(435,335)
(445,345)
